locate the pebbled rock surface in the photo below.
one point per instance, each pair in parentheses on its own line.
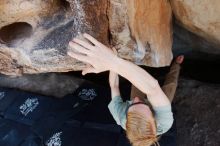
(197,107)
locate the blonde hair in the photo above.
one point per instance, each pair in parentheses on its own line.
(140,131)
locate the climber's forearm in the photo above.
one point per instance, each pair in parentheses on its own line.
(141,79)
(115,92)
(136,75)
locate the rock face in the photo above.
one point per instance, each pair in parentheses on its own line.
(34,35)
(141,30)
(187,42)
(199,17)
(25,11)
(49,84)
(197,107)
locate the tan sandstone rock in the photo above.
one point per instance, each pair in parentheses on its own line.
(141,30)
(199,17)
(25,11)
(34,35)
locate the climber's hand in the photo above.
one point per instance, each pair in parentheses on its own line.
(99,57)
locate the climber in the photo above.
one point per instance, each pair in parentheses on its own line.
(149,113)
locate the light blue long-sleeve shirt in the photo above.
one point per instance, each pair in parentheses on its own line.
(163,114)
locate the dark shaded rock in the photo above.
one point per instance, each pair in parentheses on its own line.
(198,108)
(185,41)
(50,84)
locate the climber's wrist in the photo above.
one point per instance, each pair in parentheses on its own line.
(113,65)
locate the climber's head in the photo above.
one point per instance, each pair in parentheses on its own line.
(140,125)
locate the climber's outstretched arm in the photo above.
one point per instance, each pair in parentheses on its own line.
(102,58)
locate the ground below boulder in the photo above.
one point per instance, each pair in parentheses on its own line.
(197,106)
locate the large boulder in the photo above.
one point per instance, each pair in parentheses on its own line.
(26,11)
(141,30)
(199,17)
(186,42)
(49,84)
(34,35)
